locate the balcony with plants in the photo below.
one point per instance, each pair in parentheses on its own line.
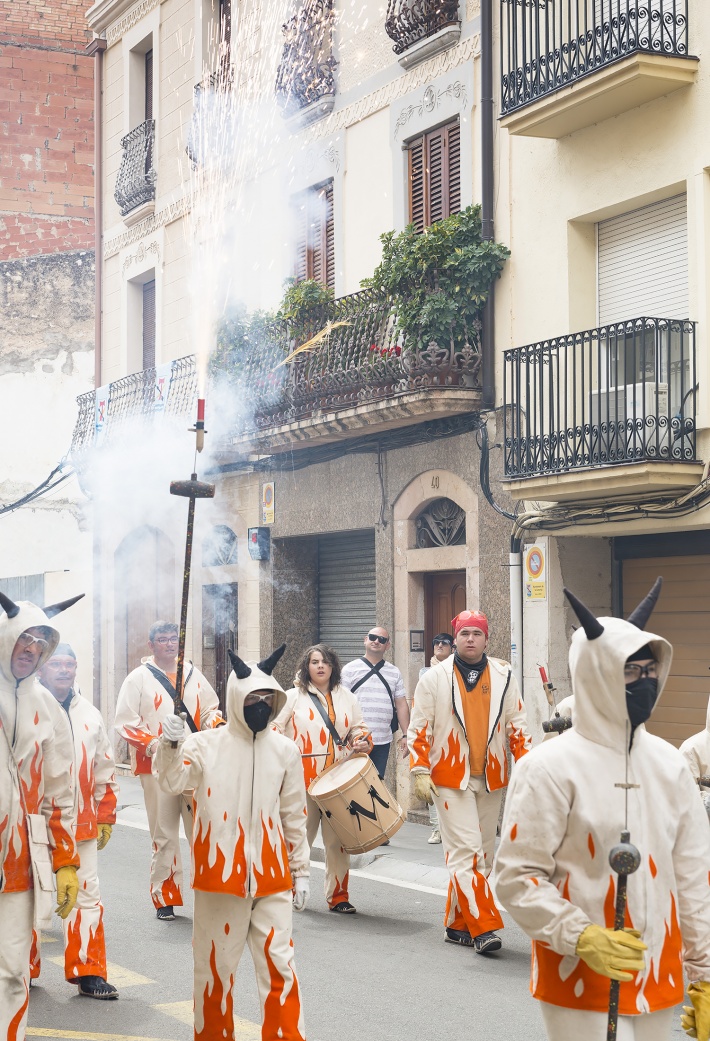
(607,411)
(422,28)
(565,66)
(405,349)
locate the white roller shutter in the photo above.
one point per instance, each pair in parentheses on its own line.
(346,591)
(643,263)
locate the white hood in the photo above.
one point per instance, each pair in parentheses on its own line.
(247,677)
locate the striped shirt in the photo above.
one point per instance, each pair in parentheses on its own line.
(375,702)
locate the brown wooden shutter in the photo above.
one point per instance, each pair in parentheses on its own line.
(434,175)
(149,325)
(149,84)
(315,235)
(417,186)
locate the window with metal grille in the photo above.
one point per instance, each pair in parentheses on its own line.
(149,325)
(434,175)
(315,235)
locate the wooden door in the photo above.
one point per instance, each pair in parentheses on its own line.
(682,616)
(444,597)
(219,635)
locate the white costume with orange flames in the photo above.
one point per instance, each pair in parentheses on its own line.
(143,703)
(696,751)
(302,722)
(96,788)
(467,806)
(249,844)
(565,811)
(35,750)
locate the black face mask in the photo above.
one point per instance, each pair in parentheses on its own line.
(640,699)
(257,716)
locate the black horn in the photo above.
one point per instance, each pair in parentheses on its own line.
(9,606)
(642,613)
(241,669)
(591,625)
(269,664)
(61,606)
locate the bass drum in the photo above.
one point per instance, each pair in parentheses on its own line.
(356,803)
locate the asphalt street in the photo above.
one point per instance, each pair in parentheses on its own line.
(382,974)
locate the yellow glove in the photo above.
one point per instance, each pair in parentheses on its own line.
(696,1020)
(424,788)
(67,891)
(615,953)
(103,836)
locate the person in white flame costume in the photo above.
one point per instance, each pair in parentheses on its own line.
(37,804)
(250,857)
(96,788)
(567,805)
(145,700)
(467,713)
(319,696)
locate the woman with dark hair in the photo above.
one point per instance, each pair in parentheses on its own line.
(325,721)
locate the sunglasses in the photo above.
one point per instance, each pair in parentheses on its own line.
(26,640)
(254,699)
(378,639)
(442,643)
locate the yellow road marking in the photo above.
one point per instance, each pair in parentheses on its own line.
(117,975)
(81,1035)
(182,1011)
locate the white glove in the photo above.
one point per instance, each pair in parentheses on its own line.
(173,728)
(301,892)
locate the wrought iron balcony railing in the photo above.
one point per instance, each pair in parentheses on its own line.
(362,361)
(135,183)
(623,393)
(359,362)
(306,73)
(409,21)
(549,44)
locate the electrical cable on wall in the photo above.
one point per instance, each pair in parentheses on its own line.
(52,481)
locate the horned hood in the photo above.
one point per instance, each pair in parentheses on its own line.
(597,657)
(19,616)
(247,677)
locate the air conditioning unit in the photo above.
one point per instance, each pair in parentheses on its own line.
(634,401)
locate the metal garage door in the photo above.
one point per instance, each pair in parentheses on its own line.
(643,263)
(683,617)
(346,591)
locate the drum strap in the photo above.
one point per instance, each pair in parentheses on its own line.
(326,719)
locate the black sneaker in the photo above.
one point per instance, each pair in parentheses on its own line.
(459,936)
(344,907)
(487,943)
(165,914)
(97,987)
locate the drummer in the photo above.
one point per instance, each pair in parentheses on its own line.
(325,720)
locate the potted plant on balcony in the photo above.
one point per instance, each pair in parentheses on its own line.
(438,282)
(306,306)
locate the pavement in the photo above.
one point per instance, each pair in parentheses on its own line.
(380,975)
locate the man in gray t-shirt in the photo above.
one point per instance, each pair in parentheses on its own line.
(379,687)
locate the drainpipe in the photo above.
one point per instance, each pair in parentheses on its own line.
(516,609)
(96,49)
(487,196)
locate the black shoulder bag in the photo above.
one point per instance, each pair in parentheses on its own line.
(167,685)
(376,669)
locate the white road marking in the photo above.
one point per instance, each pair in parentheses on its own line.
(244,1029)
(388,881)
(117,974)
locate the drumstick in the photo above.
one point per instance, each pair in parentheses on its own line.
(313,755)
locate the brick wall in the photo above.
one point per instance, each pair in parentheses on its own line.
(46,128)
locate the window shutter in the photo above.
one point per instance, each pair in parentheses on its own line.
(417,208)
(315,236)
(434,176)
(149,325)
(149,84)
(643,263)
(453,145)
